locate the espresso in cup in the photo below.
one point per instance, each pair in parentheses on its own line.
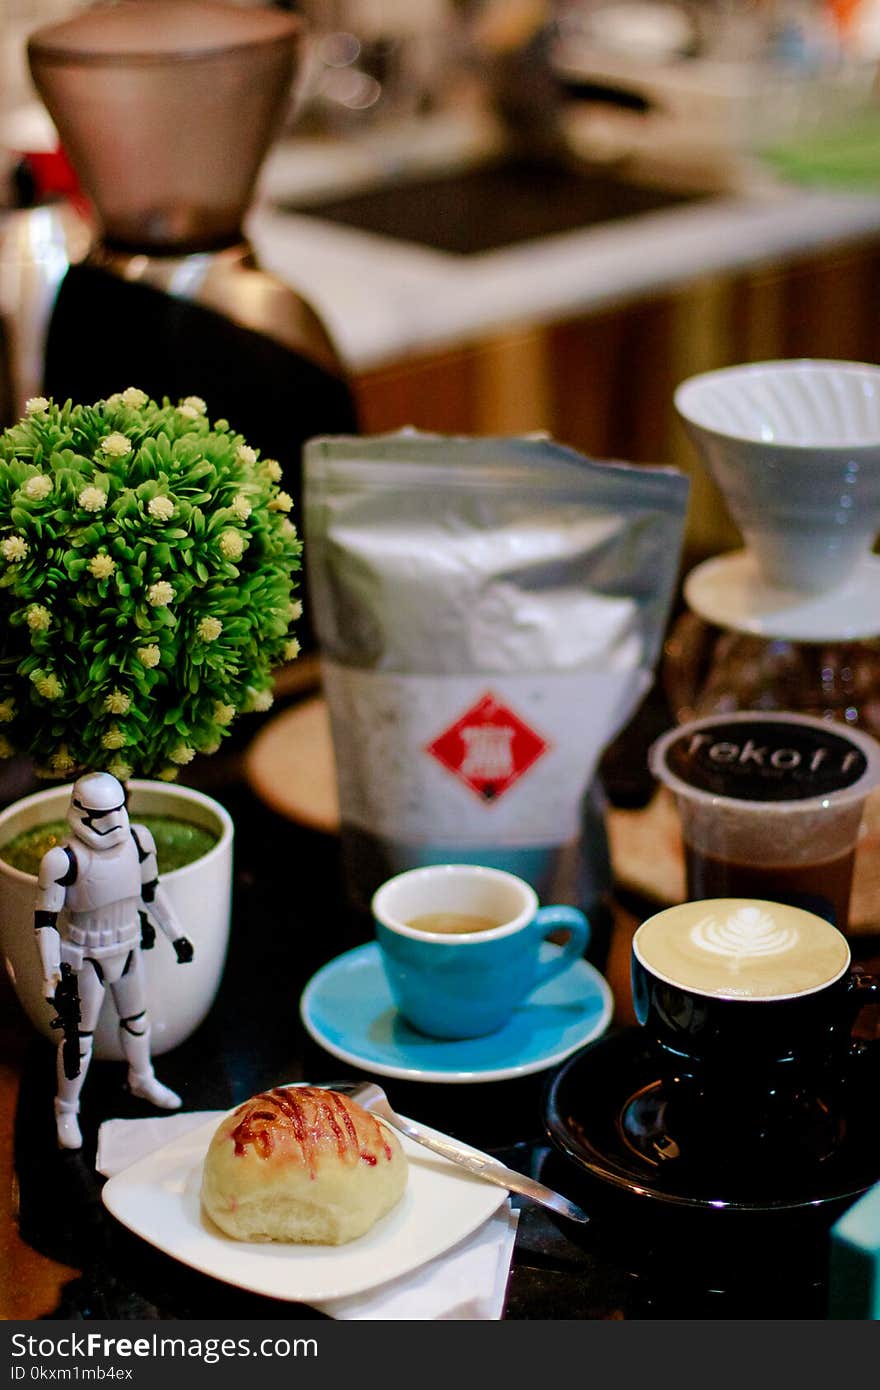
(770,806)
(452,923)
(462,946)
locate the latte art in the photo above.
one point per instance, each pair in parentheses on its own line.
(742,948)
(745,935)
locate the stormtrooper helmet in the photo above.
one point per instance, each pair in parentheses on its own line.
(97,814)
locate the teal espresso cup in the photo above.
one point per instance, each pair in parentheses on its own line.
(462,946)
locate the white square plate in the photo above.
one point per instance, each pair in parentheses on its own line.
(158,1198)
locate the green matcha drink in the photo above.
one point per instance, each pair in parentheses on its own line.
(178,842)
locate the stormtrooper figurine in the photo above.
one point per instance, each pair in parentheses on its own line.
(105,877)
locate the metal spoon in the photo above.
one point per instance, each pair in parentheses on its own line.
(373,1098)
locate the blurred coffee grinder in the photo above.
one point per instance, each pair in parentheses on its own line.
(166,109)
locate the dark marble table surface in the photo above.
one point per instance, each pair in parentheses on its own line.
(289,917)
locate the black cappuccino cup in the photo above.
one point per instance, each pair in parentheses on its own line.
(750,1005)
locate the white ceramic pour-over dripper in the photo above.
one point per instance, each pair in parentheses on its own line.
(795,448)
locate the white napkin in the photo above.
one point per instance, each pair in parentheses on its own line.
(467,1282)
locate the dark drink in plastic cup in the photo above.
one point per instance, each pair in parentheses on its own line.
(770,806)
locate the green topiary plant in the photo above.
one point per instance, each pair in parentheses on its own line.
(147,565)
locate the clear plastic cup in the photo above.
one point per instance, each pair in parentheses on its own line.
(770,806)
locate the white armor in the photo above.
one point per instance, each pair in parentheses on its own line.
(103,884)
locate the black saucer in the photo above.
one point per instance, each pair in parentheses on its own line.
(607,1111)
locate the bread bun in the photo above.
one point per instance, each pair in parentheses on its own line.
(301,1164)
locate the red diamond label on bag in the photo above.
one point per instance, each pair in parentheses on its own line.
(489,748)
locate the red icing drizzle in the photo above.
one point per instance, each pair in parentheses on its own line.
(311,1115)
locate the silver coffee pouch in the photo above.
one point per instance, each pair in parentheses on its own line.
(489,613)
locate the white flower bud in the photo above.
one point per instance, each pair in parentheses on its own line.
(37,487)
(14,548)
(159,595)
(209,629)
(162,508)
(116,445)
(101,566)
(92,499)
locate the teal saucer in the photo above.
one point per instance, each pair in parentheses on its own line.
(347,1008)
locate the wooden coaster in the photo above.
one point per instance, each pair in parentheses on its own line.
(290,765)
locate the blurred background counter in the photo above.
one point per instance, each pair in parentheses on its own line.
(581,330)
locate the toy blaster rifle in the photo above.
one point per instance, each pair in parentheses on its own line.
(69,1016)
